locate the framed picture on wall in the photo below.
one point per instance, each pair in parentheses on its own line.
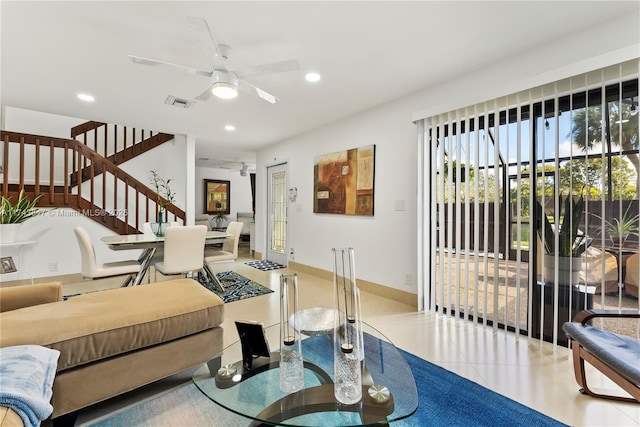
(217,194)
(344,181)
(7,265)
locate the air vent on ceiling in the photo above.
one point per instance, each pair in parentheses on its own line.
(179,102)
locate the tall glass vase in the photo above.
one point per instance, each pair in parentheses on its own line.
(159,227)
(291,363)
(348,348)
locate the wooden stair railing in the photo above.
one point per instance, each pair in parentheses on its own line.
(115,143)
(115,199)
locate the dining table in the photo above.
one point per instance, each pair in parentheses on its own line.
(150,243)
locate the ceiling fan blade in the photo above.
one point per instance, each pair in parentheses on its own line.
(273,68)
(248,87)
(156,63)
(209,42)
(206,94)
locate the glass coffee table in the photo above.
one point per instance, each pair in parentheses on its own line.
(389,389)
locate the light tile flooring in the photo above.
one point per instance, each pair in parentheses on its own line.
(531,372)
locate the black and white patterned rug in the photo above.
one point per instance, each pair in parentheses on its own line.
(236,286)
(265,265)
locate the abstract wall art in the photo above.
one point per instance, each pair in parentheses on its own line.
(344,182)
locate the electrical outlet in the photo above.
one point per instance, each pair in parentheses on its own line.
(292,254)
(53,266)
(408,281)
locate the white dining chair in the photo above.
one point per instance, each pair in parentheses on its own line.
(203,219)
(91,269)
(159,252)
(183,250)
(228,253)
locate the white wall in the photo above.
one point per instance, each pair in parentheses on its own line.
(53,232)
(385,245)
(38,123)
(240,190)
(56,249)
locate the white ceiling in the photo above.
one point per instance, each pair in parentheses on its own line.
(368,53)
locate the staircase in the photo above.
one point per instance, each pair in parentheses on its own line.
(106,139)
(53,167)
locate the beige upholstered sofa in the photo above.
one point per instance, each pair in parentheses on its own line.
(113,341)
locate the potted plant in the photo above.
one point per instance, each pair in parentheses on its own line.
(164,197)
(220,217)
(619,229)
(12,215)
(571,242)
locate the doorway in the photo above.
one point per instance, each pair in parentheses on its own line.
(277,207)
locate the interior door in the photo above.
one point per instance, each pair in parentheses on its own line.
(277,205)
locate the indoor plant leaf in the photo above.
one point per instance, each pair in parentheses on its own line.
(19,212)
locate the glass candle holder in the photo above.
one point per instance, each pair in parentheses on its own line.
(291,362)
(347,335)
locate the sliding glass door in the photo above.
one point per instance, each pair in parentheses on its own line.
(487,166)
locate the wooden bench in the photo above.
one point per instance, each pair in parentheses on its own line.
(616,356)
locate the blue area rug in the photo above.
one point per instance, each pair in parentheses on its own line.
(445,399)
(236,286)
(265,265)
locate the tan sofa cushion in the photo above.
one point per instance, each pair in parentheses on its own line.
(15,297)
(98,325)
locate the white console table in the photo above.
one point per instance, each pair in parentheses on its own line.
(18,245)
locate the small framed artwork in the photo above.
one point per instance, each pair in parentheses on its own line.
(7,265)
(217,195)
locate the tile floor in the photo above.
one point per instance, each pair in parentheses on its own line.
(531,372)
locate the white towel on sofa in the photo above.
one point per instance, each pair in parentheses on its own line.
(26,380)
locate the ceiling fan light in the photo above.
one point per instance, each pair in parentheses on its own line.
(224,90)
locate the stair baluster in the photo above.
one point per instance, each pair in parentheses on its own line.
(75,156)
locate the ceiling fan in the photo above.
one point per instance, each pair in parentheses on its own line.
(244,169)
(224,83)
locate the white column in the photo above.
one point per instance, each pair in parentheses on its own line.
(190,199)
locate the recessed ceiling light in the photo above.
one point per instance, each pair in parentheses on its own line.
(85,97)
(229,128)
(312,77)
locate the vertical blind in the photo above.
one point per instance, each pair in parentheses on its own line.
(483,170)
